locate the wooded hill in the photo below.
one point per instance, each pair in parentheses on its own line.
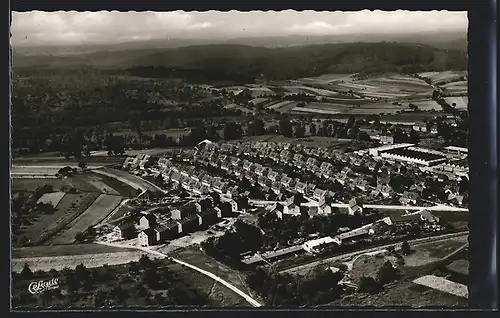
(205,63)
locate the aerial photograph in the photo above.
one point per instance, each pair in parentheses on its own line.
(165,160)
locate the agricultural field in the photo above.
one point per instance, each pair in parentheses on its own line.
(96,212)
(284,106)
(455,87)
(52,198)
(257,101)
(314,110)
(443,77)
(99,183)
(312,141)
(239,107)
(47,225)
(426,104)
(71,261)
(387,87)
(63,250)
(40,171)
(460,101)
(326,79)
(30,185)
(174,133)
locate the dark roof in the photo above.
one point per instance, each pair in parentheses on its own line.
(126,225)
(149,231)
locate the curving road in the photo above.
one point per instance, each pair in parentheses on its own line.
(248,298)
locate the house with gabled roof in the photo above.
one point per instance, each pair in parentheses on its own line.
(125,230)
(273,175)
(319,194)
(310,188)
(286,181)
(147,221)
(147,237)
(301,187)
(355,206)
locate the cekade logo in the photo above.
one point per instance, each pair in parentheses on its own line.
(41,286)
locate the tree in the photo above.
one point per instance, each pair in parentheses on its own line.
(368,284)
(82,164)
(350,122)
(405,248)
(285,128)
(387,273)
(312,129)
(300,131)
(232,131)
(26,273)
(414,137)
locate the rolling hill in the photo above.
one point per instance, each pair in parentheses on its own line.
(233,61)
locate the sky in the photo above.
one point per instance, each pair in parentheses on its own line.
(77,28)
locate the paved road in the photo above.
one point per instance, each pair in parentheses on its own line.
(439,207)
(375,249)
(135,185)
(248,298)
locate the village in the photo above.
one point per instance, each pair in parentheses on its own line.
(394,191)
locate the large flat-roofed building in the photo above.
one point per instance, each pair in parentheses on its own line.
(457,150)
(409,153)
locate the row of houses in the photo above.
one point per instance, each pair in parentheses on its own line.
(192,217)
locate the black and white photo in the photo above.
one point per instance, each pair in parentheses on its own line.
(239,159)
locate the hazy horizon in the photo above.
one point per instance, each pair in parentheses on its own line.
(38,28)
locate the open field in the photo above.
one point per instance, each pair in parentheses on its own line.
(426,104)
(71,261)
(45,170)
(96,212)
(403,293)
(283,106)
(152,152)
(52,198)
(443,285)
(120,212)
(239,107)
(428,253)
(30,185)
(47,225)
(98,182)
(460,101)
(455,87)
(81,183)
(194,256)
(216,292)
(326,79)
(174,133)
(446,76)
(63,250)
(313,141)
(119,187)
